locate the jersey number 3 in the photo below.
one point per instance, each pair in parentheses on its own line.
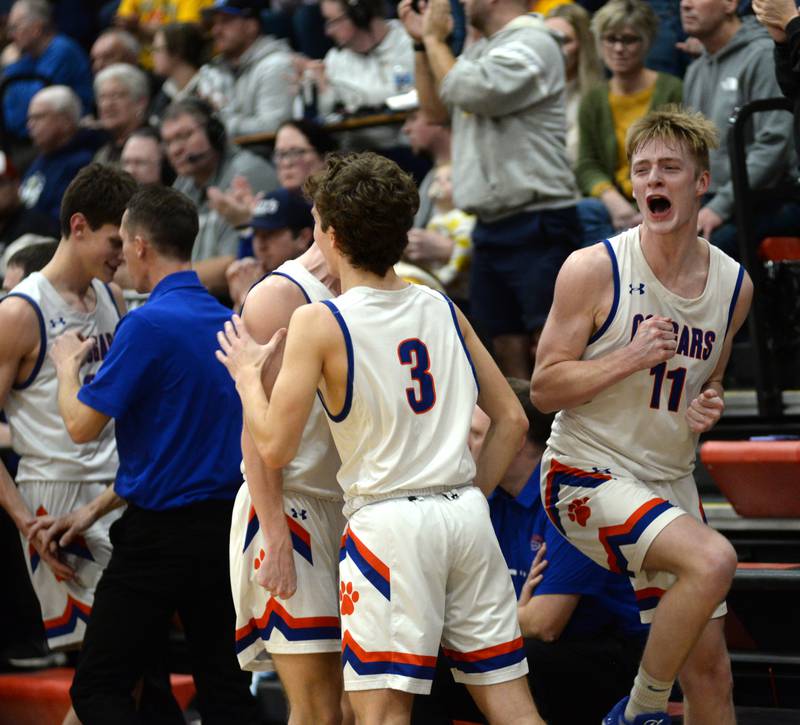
(421,397)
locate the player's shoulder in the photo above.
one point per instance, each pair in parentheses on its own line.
(590,266)
(275,289)
(17,313)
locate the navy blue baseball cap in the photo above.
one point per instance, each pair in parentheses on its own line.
(282,209)
(239,8)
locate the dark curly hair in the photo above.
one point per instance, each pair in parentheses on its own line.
(370,202)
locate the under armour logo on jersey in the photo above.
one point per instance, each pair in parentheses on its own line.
(302,515)
(58,321)
(606,471)
(634,288)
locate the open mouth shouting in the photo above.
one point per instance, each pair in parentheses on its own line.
(659,206)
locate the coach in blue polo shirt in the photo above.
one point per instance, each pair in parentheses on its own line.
(178,425)
(581,623)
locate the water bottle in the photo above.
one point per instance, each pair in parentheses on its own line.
(403,80)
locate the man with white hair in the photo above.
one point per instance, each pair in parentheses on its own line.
(64,148)
(123,94)
(43,52)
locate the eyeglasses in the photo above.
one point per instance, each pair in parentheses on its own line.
(626,41)
(113,96)
(290,155)
(182,137)
(335,21)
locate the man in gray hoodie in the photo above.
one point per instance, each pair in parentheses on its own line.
(737,67)
(505,95)
(248,83)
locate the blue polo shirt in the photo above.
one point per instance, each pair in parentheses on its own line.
(177,414)
(521,525)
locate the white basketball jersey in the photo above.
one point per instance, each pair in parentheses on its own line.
(313,470)
(38,434)
(640,424)
(411,391)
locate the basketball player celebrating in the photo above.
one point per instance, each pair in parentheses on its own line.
(71,293)
(399,370)
(633,355)
(294,515)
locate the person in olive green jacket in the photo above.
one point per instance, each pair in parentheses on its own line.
(624,30)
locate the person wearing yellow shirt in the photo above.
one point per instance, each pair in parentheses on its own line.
(146,17)
(624,30)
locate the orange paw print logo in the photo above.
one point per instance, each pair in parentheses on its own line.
(579,511)
(348,597)
(259,559)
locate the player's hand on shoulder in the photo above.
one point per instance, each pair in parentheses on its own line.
(704,411)
(69,351)
(241,354)
(655,342)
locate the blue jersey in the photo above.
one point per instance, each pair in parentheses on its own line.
(521,525)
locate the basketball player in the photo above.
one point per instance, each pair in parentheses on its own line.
(71,293)
(287,525)
(633,355)
(399,370)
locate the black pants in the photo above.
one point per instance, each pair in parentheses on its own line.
(163,562)
(577,682)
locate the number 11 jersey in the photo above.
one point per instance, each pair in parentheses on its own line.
(411,391)
(639,424)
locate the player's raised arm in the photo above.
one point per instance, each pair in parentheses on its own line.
(277,425)
(581,304)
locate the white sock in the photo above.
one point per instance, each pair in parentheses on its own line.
(648,695)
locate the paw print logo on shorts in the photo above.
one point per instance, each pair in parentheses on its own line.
(348,597)
(578,511)
(259,559)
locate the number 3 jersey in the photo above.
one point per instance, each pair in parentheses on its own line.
(639,424)
(411,390)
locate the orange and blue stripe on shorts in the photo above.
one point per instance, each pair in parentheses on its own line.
(375,571)
(421,667)
(614,537)
(294,629)
(301,539)
(68,620)
(560,475)
(488,659)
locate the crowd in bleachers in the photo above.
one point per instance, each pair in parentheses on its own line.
(228,101)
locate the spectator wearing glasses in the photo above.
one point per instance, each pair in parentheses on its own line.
(624,31)
(198,149)
(143,157)
(300,148)
(123,94)
(63,148)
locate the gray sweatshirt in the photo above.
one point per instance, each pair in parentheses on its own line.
(506,97)
(715,85)
(255,96)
